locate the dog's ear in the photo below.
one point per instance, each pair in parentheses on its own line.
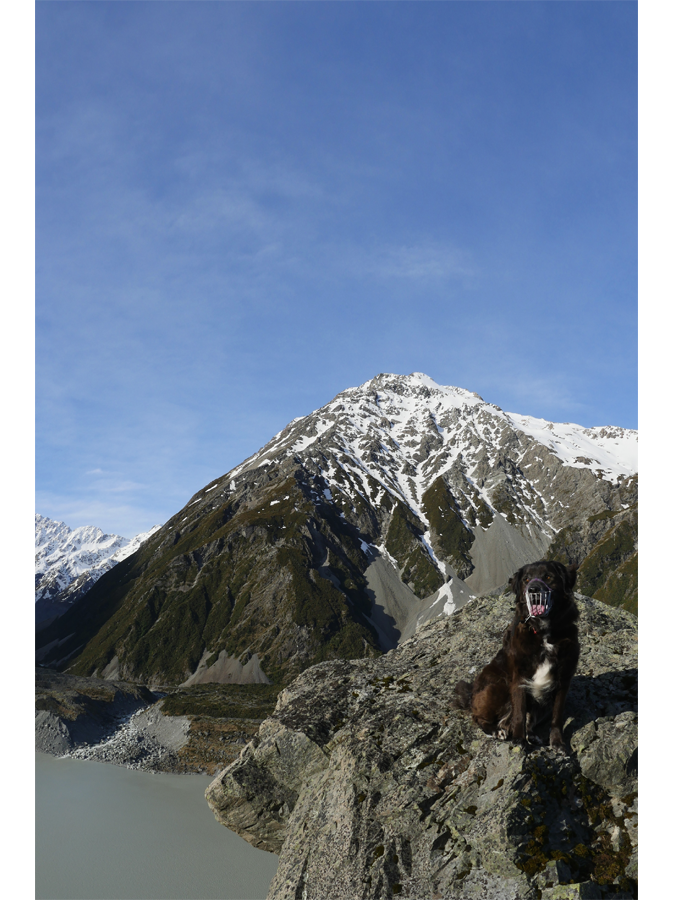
(515,580)
(567,574)
(571,576)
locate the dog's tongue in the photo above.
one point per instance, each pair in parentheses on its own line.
(538,609)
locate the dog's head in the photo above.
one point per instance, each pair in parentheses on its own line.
(543,589)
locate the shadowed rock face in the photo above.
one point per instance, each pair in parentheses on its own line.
(368,784)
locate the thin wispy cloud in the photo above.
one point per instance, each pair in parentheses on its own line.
(243,209)
(126,517)
(423,262)
(537,393)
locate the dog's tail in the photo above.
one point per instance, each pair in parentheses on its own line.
(463,693)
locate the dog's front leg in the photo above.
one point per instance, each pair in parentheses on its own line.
(556,738)
(518,711)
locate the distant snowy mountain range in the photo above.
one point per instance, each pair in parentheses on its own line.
(394,503)
(69,561)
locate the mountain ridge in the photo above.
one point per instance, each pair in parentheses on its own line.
(69,561)
(392,504)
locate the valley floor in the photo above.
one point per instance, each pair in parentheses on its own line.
(190,732)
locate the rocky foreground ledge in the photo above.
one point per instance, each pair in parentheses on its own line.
(369,785)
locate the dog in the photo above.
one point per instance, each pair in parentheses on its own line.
(531,674)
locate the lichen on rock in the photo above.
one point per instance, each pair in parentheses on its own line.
(369,784)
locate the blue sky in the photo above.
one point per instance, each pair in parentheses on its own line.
(244,208)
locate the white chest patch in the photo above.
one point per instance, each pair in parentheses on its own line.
(541,682)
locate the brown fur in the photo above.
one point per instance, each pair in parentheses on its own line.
(506,698)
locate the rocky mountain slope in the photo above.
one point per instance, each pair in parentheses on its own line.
(403,796)
(69,561)
(198,729)
(72,711)
(387,507)
(604,546)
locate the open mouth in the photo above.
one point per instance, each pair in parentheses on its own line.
(538,598)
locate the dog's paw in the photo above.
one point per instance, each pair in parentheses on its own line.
(534,740)
(502,734)
(556,743)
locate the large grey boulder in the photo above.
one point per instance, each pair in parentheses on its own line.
(368,784)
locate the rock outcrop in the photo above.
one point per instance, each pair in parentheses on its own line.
(369,785)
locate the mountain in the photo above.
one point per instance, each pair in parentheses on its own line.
(393,504)
(605,547)
(69,561)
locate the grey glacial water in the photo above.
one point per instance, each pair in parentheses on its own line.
(103,832)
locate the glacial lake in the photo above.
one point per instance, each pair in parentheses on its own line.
(103,832)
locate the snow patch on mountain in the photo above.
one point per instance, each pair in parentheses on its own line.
(63,555)
(610,450)
(377,428)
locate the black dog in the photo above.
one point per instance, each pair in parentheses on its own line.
(531,674)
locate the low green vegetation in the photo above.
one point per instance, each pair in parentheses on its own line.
(452,535)
(241,578)
(608,571)
(223,701)
(621,586)
(563,545)
(607,555)
(403,543)
(70,697)
(317,604)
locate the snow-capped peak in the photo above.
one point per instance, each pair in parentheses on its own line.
(397,435)
(63,555)
(397,410)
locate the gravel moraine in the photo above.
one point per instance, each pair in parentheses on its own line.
(148,740)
